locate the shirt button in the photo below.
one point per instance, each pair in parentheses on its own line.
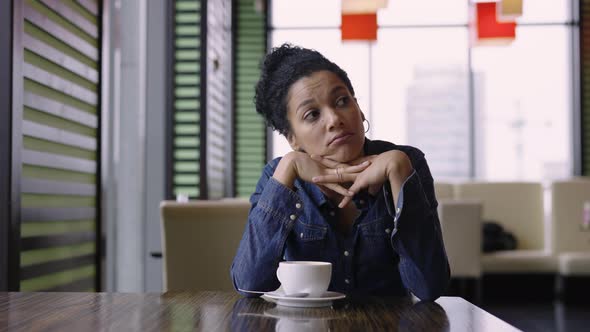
(347,281)
(293,217)
(361,202)
(332,213)
(301,235)
(398,210)
(346,253)
(298,205)
(387,230)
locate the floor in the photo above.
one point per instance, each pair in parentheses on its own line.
(542,315)
(529,302)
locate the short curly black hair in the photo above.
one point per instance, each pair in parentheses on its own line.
(282,67)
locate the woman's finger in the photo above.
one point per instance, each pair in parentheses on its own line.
(345,201)
(353,190)
(357,186)
(337,188)
(334,178)
(357,168)
(362,159)
(341,174)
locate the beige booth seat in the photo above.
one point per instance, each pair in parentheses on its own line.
(571,242)
(519,261)
(574,264)
(199,241)
(518,207)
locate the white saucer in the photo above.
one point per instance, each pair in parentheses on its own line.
(303,302)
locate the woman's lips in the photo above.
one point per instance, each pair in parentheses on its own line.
(340,139)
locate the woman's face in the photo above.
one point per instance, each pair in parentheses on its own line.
(325,118)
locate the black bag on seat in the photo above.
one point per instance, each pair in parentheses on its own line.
(495,238)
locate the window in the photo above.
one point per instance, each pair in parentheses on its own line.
(486,112)
(523,106)
(420,95)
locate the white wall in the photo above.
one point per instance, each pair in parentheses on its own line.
(124,140)
(155,162)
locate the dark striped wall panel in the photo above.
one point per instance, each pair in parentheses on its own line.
(585,83)
(218,97)
(60,69)
(250,131)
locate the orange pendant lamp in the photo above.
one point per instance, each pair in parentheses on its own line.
(509,10)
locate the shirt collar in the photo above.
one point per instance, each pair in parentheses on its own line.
(370,148)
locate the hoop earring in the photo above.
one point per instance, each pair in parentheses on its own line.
(368,125)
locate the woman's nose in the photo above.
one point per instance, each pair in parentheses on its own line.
(334,119)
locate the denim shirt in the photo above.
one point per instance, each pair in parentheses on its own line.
(392,249)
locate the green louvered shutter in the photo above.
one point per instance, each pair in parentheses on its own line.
(59,156)
(250,131)
(186,98)
(585,83)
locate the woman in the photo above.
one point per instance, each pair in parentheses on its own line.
(368,207)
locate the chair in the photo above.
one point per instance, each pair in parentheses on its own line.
(199,241)
(443,190)
(567,205)
(461,229)
(518,207)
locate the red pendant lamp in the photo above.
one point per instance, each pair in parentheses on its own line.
(489,28)
(359,19)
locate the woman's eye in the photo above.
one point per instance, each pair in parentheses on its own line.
(311,115)
(342,101)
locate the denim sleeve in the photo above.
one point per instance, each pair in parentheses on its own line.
(272,214)
(417,237)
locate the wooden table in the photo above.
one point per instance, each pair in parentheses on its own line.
(212,311)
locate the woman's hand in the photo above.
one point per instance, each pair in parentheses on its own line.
(393,166)
(300,165)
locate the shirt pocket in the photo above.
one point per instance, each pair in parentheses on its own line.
(306,242)
(375,239)
(380,228)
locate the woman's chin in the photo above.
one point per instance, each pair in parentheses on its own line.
(347,156)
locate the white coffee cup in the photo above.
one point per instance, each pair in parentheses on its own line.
(305,277)
(301,325)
